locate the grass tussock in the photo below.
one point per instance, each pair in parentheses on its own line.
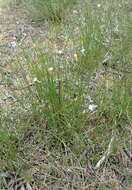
(51,10)
(71,122)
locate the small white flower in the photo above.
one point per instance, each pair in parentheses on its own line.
(17,22)
(35,80)
(50,69)
(12,44)
(98,5)
(82,50)
(60,52)
(92,107)
(75,11)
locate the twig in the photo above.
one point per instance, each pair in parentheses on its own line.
(106,154)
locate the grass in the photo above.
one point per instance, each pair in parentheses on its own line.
(51,10)
(4,3)
(51,132)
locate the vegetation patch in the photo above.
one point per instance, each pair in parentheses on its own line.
(66,96)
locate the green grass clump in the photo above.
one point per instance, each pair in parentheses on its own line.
(9,141)
(52,10)
(54,99)
(58,97)
(91,52)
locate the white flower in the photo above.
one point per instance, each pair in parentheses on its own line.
(60,52)
(82,50)
(98,5)
(12,44)
(17,22)
(35,80)
(75,11)
(92,107)
(50,69)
